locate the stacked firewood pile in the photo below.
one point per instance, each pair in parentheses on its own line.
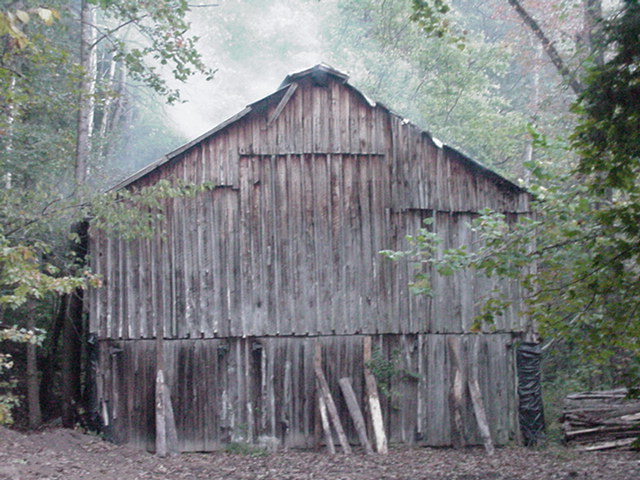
(601,420)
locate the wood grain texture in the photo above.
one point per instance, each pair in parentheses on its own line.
(306,187)
(237,389)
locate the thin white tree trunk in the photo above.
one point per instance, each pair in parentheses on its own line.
(86,106)
(11,118)
(534,105)
(592,35)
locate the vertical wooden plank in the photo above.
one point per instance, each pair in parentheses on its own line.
(299,323)
(107,331)
(322,243)
(245,238)
(288,403)
(333,126)
(345,131)
(239,424)
(210,235)
(421,390)
(308,258)
(259,196)
(283,265)
(118,287)
(477,398)
(437,414)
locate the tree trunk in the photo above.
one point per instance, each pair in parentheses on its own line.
(11,118)
(73,335)
(111,111)
(50,363)
(33,383)
(549,48)
(534,105)
(86,100)
(71,359)
(592,36)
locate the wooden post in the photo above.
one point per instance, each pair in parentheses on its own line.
(374,401)
(170,429)
(356,413)
(166,434)
(328,400)
(326,428)
(456,392)
(161,424)
(476,399)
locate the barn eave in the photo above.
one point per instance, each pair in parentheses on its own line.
(319,74)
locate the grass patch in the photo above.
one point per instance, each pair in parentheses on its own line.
(242,448)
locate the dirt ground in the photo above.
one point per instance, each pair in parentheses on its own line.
(70,455)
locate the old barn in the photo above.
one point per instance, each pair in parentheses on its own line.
(281,254)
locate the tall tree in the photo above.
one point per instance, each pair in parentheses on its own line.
(451,88)
(53,76)
(585,292)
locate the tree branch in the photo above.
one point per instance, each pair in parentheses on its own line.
(114,30)
(549,48)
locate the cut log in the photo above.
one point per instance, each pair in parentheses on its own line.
(601,420)
(328,399)
(166,434)
(456,392)
(607,445)
(326,428)
(374,400)
(170,429)
(356,413)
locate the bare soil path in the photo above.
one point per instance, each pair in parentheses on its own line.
(70,455)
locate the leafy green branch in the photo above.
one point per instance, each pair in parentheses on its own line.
(131,214)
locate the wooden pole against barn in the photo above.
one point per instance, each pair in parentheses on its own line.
(166,434)
(328,400)
(456,392)
(374,400)
(326,428)
(356,413)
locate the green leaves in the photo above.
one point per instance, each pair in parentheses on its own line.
(431,16)
(136,214)
(162,26)
(12,23)
(23,275)
(47,15)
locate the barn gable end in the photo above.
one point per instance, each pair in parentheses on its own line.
(310,183)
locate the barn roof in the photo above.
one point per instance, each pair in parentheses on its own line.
(319,74)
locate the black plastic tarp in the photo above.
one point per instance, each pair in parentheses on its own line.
(531,411)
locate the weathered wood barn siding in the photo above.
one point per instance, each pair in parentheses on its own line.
(309,184)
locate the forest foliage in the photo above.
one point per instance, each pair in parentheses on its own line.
(52,81)
(474,73)
(577,256)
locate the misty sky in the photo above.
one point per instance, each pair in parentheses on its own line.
(253,45)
